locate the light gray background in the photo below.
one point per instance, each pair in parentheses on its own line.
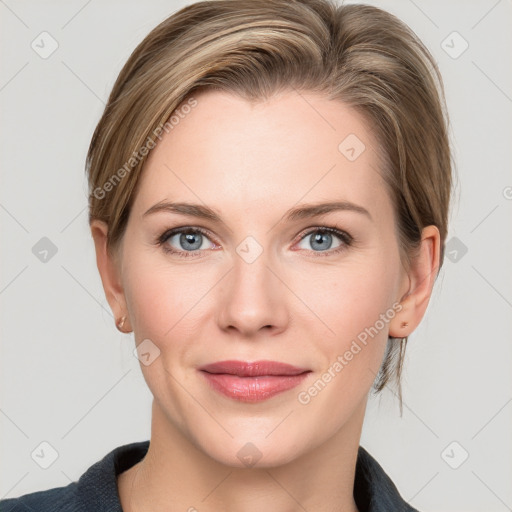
(69,378)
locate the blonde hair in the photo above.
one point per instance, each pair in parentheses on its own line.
(357,54)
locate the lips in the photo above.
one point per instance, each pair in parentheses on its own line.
(252,381)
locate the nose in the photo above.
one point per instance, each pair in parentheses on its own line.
(254,298)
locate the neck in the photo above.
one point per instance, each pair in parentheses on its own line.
(175,475)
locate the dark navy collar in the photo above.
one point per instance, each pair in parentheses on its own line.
(96,490)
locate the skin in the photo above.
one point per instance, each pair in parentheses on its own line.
(296,303)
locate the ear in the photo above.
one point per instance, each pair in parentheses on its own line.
(422,276)
(109,268)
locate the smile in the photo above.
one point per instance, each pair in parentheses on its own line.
(252,382)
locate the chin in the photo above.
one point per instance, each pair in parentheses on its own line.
(247,455)
(253,448)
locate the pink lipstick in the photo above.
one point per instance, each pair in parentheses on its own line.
(252,381)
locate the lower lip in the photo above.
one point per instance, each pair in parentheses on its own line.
(252,389)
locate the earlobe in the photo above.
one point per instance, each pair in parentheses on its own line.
(108,267)
(422,275)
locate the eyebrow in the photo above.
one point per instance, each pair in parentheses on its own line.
(297,213)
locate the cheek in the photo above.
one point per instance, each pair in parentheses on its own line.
(166,298)
(355,307)
(350,299)
(158,290)
(167,305)
(171,304)
(159,297)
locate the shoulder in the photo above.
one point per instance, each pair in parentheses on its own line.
(374,491)
(95,491)
(58,499)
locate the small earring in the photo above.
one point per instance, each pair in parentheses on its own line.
(120,324)
(404,324)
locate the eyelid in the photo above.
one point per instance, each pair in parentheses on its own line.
(341,233)
(168,233)
(346,238)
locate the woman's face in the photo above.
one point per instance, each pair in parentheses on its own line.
(256,283)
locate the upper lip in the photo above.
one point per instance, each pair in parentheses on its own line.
(252,369)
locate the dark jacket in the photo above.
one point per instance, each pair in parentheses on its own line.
(96,490)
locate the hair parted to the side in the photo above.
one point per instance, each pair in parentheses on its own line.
(358,54)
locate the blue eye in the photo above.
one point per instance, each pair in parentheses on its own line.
(323,239)
(189,242)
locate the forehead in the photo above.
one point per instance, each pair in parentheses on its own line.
(236,155)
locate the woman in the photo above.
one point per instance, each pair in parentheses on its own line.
(269,193)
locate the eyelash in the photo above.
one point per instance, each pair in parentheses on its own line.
(345,237)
